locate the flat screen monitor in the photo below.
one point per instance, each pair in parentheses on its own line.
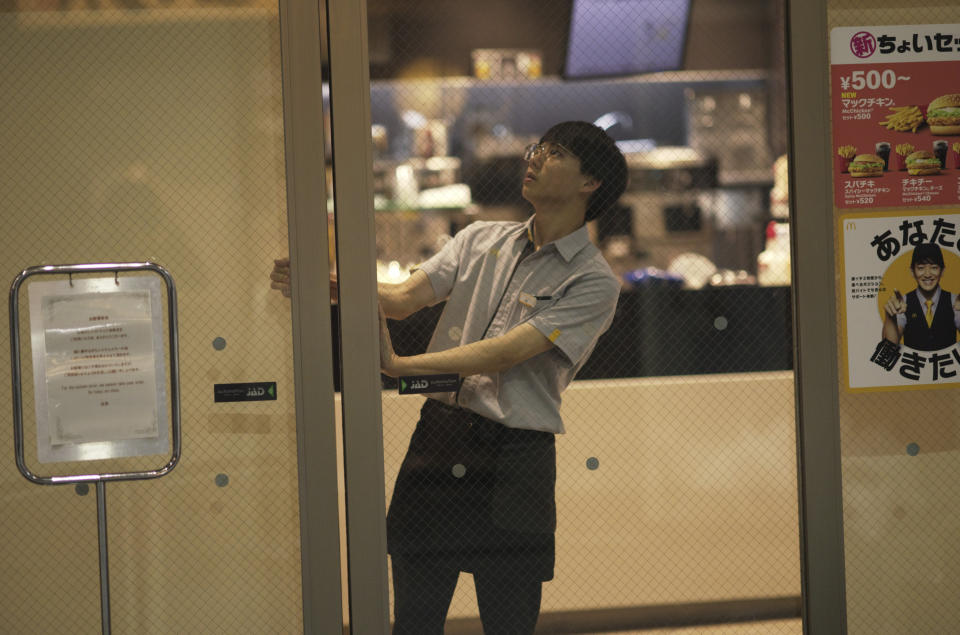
(625,37)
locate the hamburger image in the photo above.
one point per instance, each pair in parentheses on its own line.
(866,165)
(922,163)
(943,115)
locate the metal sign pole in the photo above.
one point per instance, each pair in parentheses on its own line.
(104,565)
(102,478)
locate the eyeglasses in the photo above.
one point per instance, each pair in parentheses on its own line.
(550,150)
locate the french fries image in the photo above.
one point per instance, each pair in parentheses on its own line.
(846,152)
(903,119)
(903,149)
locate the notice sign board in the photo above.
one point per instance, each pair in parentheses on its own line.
(893,264)
(895,100)
(98,362)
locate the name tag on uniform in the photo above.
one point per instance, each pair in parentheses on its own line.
(527,299)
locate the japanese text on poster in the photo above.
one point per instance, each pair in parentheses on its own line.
(901,306)
(98,369)
(895,97)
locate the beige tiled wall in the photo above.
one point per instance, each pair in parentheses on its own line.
(694,499)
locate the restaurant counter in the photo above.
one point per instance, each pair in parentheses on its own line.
(658,330)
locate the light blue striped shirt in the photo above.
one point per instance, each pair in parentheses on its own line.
(493,281)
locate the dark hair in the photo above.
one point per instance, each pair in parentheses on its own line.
(599,157)
(927,253)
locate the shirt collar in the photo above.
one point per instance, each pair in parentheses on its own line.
(568,246)
(934,300)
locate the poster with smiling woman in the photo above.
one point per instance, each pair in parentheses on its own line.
(901,308)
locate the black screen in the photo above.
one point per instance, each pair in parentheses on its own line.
(626,37)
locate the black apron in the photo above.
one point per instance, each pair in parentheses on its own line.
(475,494)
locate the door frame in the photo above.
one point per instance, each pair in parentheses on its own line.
(359,319)
(301,59)
(815,320)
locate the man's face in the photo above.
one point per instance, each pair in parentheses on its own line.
(927,275)
(553,172)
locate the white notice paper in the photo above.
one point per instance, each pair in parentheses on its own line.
(98,368)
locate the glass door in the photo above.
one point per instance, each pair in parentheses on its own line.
(676,484)
(156,131)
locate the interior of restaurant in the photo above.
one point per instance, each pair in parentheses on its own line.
(155,130)
(190,133)
(701,120)
(700,243)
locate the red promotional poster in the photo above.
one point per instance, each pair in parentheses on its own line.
(895,97)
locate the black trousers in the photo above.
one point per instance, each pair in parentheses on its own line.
(423,588)
(472,495)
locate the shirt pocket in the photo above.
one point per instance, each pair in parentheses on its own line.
(532,304)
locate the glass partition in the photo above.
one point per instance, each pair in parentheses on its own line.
(898,428)
(675,482)
(156,133)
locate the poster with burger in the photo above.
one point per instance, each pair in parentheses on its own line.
(895,101)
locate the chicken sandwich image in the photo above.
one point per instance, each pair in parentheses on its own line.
(943,115)
(922,163)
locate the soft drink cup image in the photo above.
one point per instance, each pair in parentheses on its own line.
(940,151)
(883,151)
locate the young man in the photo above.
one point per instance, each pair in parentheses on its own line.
(525,305)
(928,317)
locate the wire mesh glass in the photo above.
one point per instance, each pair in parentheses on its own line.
(154,131)
(676,475)
(898,446)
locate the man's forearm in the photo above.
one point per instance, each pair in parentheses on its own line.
(486,356)
(472,359)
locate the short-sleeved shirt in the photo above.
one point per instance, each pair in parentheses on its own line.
(493,281)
